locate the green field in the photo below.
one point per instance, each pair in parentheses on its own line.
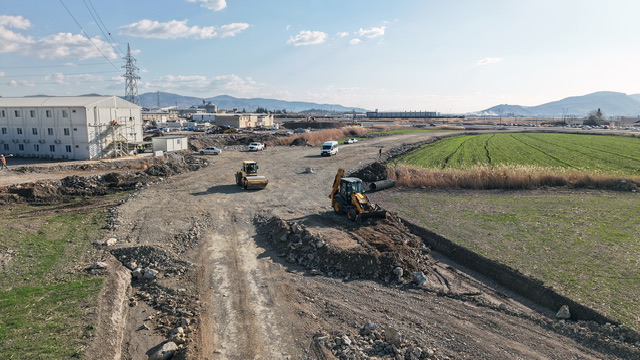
(583,243)
(47,297)
(613,155)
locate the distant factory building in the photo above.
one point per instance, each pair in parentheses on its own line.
(69,127)
(402,114)
(241,121)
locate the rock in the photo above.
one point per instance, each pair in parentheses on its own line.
(393,337)
(150,274)
(165,352)
(111,241)
(419,278)
(368,328)
(137,273)
(99,265)
(564,312)
(346,341)
(398,272)
(132,265)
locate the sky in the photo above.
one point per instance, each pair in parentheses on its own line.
(449,56)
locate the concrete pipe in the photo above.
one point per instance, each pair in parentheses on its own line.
(382,184)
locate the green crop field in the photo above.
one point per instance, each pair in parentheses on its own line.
(613,155)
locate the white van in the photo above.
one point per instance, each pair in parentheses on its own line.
(329,148)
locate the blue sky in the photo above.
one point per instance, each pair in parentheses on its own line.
(428,55)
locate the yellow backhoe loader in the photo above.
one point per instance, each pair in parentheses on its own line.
(347,197)
(248,177)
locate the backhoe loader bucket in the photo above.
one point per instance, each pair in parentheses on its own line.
(374,214)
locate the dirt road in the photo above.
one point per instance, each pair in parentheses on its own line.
(252,303)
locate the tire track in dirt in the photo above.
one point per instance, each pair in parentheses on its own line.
(244,318)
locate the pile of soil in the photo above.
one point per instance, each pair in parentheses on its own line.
(126,176)
(384,251)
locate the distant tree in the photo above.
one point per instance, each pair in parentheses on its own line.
(595,118)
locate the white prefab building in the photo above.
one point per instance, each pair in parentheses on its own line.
(73,127)
(170,143)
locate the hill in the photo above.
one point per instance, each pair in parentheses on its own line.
(609,102)
(163,99)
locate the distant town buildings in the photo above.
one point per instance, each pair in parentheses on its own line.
(75,127)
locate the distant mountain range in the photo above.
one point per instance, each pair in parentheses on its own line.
(163,99)
(609,102)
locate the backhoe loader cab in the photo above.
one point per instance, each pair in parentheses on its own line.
(347,197)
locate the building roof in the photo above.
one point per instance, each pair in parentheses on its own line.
(66,101)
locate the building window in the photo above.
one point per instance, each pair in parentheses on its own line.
(66,131)
(16,113)
(21,147)
(52,148)
(178,141)
(65,113)
(67,148)
(6,147)
(32,113)
(36,147)
(34,131)
(48,113)
(4,131)
(49,131)
(19,131)
(2,113)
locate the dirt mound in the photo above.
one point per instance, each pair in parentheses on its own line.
(126,176)
(372,172)
(298,142)
(156,276)
(385,251)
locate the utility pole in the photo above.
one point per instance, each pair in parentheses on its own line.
(131,77)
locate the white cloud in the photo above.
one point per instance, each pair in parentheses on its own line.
(62,45)
(342,34)
(372,33)
(73,79)
(17,22)
(489,60)
(175,29)
(355,41)
(67,45)
(215,5)
(16,83)
(2,73)
(231,84)
(306,37)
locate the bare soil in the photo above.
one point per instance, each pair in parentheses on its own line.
(275,274)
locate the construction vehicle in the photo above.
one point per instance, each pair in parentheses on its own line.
(347,197)
(248,177)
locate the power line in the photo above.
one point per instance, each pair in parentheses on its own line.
(82,73)
(87,36)
(49,66)
(101,26)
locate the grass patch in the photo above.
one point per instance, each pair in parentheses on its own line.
(523,161)
(583,245)
(47,299)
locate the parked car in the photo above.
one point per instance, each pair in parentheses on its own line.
(210,150)
(351,141)
(256,146)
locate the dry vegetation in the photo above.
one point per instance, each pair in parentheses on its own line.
(508,177)
(318,137)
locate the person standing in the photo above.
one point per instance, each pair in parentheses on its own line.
(3,162)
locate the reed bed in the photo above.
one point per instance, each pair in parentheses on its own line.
(516,177)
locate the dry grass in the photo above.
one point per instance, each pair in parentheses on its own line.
(508,177)
(320,136)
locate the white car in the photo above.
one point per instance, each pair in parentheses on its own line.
(256,146)
(351,141)
(210,150)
